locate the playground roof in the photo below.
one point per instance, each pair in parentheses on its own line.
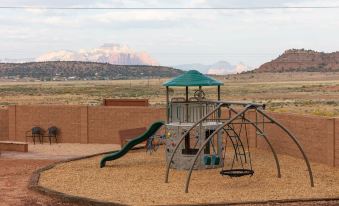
(192,78)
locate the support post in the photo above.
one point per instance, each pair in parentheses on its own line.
(218,92)
(186,93)
(219,111)
(167,103)
(186,104)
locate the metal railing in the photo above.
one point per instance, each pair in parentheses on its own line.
(190,111)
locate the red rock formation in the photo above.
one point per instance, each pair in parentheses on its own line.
(300,60)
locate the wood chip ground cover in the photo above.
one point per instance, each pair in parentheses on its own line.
(138,179)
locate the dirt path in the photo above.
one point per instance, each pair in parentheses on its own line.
(14,177)
(16,169)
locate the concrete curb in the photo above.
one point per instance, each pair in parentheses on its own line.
(34,185)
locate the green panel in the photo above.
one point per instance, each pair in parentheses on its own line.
(207,160)
(115,155)
(192,78)
(215,160)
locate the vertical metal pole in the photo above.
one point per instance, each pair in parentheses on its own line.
(187,137)
(219,111)
(218,92)
(186,104)
(186,94)
(167,103)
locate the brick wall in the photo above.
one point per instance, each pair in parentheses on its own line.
(319,136)
(336,144)
(315,134)
(3,124)
(67,118)
(104,123)
(78,124)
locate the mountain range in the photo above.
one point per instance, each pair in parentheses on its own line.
(218,68)
(119,54)
(107,53)
(292,60)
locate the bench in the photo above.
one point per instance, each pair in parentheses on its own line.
(129,134)
(13,146)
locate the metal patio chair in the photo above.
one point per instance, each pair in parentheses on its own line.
(53,132)
(35,132)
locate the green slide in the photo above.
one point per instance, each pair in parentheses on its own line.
(116,155)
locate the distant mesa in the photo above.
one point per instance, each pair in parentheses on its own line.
(218,68)
(107,53)
(301,60)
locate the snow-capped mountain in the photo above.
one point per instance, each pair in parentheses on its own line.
(107,53)
(218,68)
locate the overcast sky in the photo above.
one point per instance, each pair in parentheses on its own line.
(171,36)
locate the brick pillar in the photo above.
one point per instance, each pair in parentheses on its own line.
(329,134)
(336,142)
(12,123)
(84,124)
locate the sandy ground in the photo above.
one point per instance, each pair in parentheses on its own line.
(16,169)
(60,151)
(14,176)
(138,179)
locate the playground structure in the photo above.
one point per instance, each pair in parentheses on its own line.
(209,124)
(200,131)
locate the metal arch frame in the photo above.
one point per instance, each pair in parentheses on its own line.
(208,139)
(220,104)
(267,141)
(294,140)
(183,137)
(273,121)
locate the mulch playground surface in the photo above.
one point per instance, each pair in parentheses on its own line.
(16,172)
(137,179)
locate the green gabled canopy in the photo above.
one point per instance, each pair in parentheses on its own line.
(192,78)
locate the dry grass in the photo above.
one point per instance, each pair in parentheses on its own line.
(138,179)
(305,93)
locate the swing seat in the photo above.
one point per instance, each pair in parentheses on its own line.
(237,172)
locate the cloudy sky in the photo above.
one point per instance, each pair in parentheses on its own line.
(171,36)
